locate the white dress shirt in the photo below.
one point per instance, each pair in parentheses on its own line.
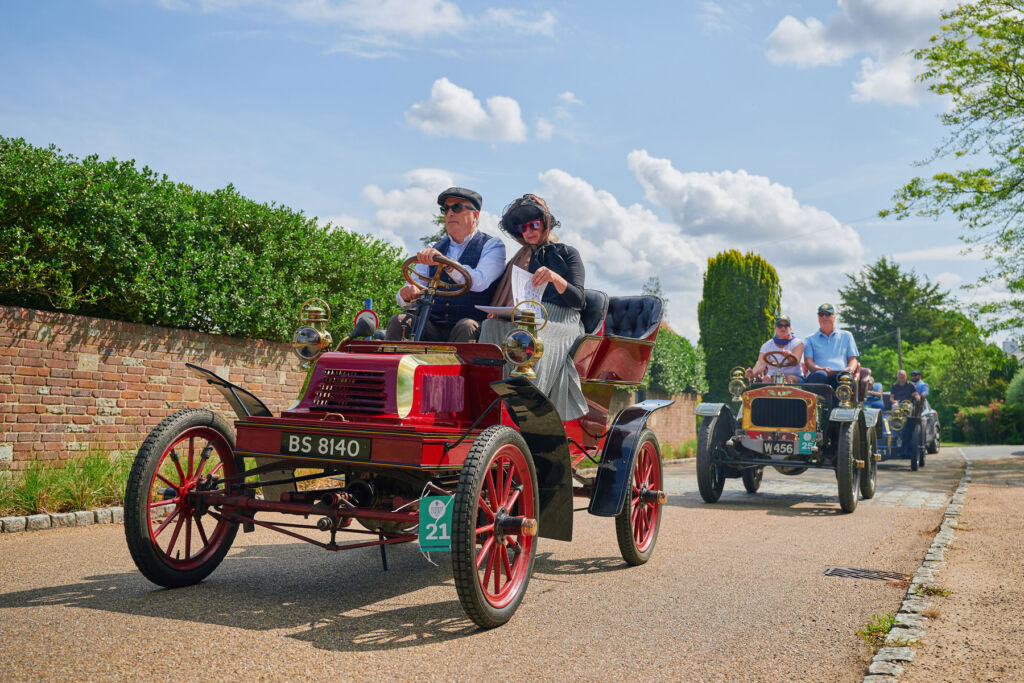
(488,269)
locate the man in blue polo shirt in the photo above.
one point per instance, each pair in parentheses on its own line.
(829,353)
(922,387)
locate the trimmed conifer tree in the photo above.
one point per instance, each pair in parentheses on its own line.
(740,300)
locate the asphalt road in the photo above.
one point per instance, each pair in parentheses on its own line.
(734,591)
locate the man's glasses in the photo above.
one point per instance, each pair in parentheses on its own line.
(536,224)
(781,324)
(824,314)
(457,208)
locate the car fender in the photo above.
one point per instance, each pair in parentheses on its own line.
(708,409)
(844,415)
(871,417)
(616,466)
(544,433)
(241,401)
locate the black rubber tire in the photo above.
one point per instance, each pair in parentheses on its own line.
(847,472)
(933,446)
(624,520)
(148,559)
(752,478)
(464,524)
(915,448)
(710,479)
(869,476)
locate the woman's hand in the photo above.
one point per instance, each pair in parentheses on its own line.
(545,275)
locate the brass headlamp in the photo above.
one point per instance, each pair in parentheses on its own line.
(900,412)
(844,391)
(738,382)
(522,347)
(312,339)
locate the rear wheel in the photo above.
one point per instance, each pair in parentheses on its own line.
(710,443)
(933,445)
(492,554)
(870,474)
(636,527)
(752,478)
(847,472)
(172,541)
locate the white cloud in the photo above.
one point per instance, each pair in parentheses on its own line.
(713,18)
(386,26)
(544,129)
(882,29)
(569,97)
(452,111)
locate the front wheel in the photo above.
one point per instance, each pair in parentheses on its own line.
(847,472)
(636,527)
(167,536)
(710,442)
(494,522)
(915,448)
(870,475)
(752,478)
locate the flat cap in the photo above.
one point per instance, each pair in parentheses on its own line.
(470,196)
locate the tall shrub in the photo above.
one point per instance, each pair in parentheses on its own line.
(1015,392)
(676,365)
(108,239)
(740,299)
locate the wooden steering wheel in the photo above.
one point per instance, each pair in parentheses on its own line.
(781,359)
(440,287)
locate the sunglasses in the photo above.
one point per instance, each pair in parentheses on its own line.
(457,208)
(824,314)
(536,224)
(781,324)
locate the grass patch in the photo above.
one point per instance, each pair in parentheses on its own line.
(686,449)
(931,589)
(877,628)
(96,479)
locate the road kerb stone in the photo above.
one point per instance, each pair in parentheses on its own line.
(85,517)
(37,522)
(62,519)
(117,515)
(885,668)
(12,524)
(103,515)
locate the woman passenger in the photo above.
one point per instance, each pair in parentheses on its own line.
(557,268)
(782,341)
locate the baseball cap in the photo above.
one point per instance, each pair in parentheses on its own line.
(826,308)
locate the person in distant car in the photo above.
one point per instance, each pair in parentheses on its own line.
(917,378)
(876,397)
(830,353)
(782,341)
(455,319)
(903,390)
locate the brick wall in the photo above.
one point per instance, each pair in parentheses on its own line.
(677,423)
(68,383)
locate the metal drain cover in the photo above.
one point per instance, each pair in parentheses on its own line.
(873,574)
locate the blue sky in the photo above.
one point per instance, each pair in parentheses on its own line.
(660,133)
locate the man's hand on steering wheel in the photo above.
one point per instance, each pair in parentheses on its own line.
(426,256)
(440,287)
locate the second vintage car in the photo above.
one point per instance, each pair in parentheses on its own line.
(793,428)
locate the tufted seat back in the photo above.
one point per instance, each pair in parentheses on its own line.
(635,317)
(595,309)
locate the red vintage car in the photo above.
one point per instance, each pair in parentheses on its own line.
(414,441)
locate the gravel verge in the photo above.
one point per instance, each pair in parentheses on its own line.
(910,623)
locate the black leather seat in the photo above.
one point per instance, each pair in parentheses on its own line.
(594,310)
(635,317)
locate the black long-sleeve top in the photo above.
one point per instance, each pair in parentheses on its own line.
(565,261)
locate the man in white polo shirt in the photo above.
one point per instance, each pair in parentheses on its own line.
(829,353)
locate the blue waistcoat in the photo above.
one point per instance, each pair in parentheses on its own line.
(450,310)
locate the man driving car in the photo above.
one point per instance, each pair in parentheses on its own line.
(455,319)
(829,353)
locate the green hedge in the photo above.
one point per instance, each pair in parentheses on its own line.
(676,365)
(107,239)
(741,296)
(997,422)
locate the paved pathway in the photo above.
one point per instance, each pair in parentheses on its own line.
(734,591)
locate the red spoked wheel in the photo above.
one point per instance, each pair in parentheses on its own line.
(636,527)
(495,526)
(172,539)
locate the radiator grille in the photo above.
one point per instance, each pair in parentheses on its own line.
(355,391)
(778,412)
